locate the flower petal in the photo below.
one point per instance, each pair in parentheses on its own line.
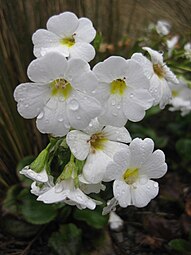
(85,31)
(47,68)
(51,196)
(53,118)
(82,50)
(145,63)
(135,77)
(95,166)
(110,69)
(78,143)
(31,98)
(93,127)
(80,198)
(39,177)
(45,41)
(112,113)
(121,192)
(154,166)
(140,150)
(132,110)
(64,24)
(139,96)
(156,57)
(81,109)
(143,193)
(117,134)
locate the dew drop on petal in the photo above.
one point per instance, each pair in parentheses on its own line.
(78,117)
(90,125)
(60,119)
(26,105)
(114,113)
(113,102)
(93,91)
(131,95)
(74,105)
(148,186)
(40,116)
(155,184)
(118,106)
(67,125)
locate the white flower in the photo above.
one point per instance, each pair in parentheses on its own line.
(163,27)
(42,182)
(159,75)
(181,97)
(187,48)
(124,90)
(60,94)
(39,177)
(65,191)
(115,222)
(132,173)
(97,144)
(66,34)
(171,43)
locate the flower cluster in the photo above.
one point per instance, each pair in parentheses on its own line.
(85,111)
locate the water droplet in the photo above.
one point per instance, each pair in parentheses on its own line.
(131,95)
(61,99)
(93,91)
(26,105)
(148,186)
(74,105)
(78,117)
(67,125)
(114,113)
(40,116)
(85,98)
(90,125)
(113,102)
(155,184)
(118,106)
(60,119)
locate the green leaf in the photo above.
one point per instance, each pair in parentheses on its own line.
(34,211)
(10,203)
(18,228)
(93,218)
(97,41)
(66,241)
(183,147)
(180,245)
(39,163)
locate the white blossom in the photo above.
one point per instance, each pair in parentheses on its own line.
(181,97)
(132,173)
(159,75)
(65,191)
(163,27)
(187,48)
(67,35)
(97,145)
(115,222)
(60,94)
(124,90)
(171,43)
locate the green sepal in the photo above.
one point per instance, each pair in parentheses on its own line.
(67,172)
(79,165)
(39,163)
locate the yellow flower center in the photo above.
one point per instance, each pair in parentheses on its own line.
(97,141)
(118,87)
(61,87)
(158,69)
(174,93)
(68,41)
(131,175)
